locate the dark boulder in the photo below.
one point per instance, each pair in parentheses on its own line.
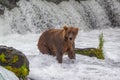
(10,4)
(2,8)
(58,1)
(15,61)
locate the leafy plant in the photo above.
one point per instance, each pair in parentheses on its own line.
(21,72)
(96,52)
(2,58)
(101,41)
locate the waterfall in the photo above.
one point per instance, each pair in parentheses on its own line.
(112,9)
(95,15)
(35,16)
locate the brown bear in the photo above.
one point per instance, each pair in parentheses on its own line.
(56,42)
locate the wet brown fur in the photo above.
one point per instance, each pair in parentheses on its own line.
(55,42)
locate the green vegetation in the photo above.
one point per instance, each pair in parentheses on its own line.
(10,61)
(101,41)
(96,52)
(2,58)
(15,59)
(21,72)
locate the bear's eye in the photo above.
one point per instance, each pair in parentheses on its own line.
(69,32)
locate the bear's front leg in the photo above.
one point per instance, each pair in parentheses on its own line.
(59,57)
(71,54)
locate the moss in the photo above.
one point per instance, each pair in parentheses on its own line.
(12,60)
(91,52)
(15,70)
(15,59)
(2,58)
(21,72)
(101,41)
(9,62)
(24,71)
(99,54)
(96,52)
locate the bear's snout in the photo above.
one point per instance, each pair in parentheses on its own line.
(70,38)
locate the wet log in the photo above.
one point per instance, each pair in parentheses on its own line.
(91,52)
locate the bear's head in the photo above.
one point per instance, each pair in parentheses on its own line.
(70,33)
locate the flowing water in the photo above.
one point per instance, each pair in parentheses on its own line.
(22,26)
(35,16)
(7,75)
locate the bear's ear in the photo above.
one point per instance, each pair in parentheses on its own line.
(65,28)
(77,30)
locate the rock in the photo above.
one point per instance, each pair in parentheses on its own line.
(58,1)
(2,8)
(91,52)
(10,4)
(6,74)
(14,61)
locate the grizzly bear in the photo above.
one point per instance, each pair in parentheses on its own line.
(56,42)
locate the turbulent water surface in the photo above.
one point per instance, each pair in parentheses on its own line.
(22,26)
(7,75)
(44,67)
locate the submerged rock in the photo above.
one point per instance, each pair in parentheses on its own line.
(58,1)
(14,61)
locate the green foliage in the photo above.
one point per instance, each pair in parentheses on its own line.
(96,52)
(101,41)
(2,58)
(15,59)
(10,61)
(91,52)
(24,71)
(21,72)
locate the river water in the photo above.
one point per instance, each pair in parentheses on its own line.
(22,26)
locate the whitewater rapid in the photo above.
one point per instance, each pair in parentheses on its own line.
(22,26)
(44,67)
